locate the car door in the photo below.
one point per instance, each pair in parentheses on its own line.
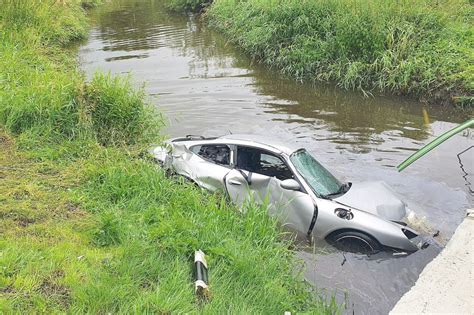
(208,164)
(294,209)
(257,176)
(243,186)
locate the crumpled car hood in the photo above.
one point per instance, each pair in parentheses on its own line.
(374,197)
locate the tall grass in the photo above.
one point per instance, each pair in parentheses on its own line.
(88,225)
(43,93)
(187,5)
(116,113)
(421,48)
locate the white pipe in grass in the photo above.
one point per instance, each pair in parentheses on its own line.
(200,267)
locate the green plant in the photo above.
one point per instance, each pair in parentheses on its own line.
(117,113)
(187,5)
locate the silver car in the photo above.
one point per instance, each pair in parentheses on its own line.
(301,193)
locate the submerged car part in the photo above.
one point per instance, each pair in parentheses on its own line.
(354,242)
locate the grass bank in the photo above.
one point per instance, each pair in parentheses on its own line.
(89,224)
(418,48)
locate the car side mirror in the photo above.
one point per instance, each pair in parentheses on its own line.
(290,184)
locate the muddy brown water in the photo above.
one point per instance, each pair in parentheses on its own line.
(204,85)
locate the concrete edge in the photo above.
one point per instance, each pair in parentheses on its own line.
(446,285)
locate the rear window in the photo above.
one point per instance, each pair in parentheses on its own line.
(217,153)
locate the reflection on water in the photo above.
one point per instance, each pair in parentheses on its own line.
(204,85)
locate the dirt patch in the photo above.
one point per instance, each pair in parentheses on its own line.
(146,285)
(71,210)
(4,140)
(53,290)
(21,219)
(72,206)
(24,222)
(7,289)
(21,194)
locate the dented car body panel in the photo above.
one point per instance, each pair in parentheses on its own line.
(375,197)
(299,191)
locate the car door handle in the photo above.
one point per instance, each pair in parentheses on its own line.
(234,182)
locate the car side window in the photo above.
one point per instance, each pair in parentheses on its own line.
(217,153)
(262,162)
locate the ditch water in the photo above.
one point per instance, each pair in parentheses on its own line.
(204,85)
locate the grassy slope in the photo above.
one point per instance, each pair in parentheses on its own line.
(89,225)
(422,48)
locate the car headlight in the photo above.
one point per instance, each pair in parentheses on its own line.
(344,213)
(409,234)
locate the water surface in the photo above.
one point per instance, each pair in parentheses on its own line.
(204,85)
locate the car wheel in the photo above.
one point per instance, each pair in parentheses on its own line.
(355,242)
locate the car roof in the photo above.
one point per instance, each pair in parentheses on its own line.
(264,142)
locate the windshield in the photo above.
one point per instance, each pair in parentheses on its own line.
(321,181)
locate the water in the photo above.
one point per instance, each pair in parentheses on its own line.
(204,85)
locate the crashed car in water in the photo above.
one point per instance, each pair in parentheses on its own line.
(302,194)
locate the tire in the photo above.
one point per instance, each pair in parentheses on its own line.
(355,242)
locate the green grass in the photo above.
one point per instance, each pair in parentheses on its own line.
(419,48)
(187,5)
(87,222)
